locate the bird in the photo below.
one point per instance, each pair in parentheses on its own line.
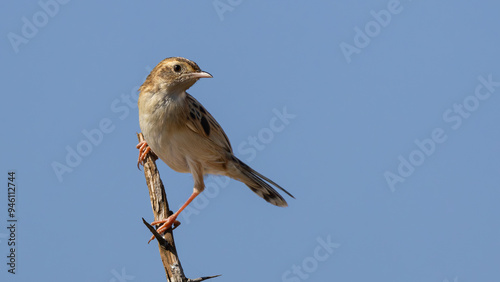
(184,135)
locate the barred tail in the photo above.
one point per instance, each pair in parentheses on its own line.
(258,183)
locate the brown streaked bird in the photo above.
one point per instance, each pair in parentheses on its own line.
(183,134)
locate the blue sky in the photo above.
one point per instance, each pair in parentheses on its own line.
(380,117)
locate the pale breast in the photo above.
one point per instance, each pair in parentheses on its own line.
(159,122)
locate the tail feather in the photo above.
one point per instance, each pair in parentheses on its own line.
(257,183)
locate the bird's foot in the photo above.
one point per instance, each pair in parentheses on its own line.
(165,225)
(144,149)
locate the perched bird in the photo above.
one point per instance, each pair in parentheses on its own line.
(183,134)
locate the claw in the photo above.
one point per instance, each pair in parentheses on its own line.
(167,223)
(144,149)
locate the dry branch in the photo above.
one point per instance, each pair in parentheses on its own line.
(159,203)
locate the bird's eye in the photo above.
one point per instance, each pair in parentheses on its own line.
(177,68)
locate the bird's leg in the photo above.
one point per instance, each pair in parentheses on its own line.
(172,219)
(143,151)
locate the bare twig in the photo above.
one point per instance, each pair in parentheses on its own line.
(159,203)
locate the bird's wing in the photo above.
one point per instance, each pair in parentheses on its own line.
(203,123)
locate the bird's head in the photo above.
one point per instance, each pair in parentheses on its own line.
(173,75)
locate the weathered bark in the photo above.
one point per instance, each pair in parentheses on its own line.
(159,203)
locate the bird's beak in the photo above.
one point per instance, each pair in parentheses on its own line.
(201,74)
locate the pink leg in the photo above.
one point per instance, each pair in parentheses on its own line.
(172,219)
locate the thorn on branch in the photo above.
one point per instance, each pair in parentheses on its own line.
(202,278)
(157,235)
